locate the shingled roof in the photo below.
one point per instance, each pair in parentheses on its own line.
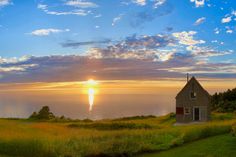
(193,79)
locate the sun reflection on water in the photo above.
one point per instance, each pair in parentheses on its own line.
(91,92)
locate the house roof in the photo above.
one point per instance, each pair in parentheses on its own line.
(193,79)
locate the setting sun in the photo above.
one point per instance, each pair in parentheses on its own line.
(91,82)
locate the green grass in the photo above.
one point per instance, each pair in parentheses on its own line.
(120,137)
(217,146)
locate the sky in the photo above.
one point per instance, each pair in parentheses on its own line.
(73,40)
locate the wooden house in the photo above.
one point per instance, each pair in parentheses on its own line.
(192,103)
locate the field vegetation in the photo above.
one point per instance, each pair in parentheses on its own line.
(118,137)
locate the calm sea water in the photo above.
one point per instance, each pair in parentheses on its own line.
(22,104)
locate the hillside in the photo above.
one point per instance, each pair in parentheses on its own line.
(118,137)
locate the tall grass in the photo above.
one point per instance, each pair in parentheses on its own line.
(40,139)
(234,129)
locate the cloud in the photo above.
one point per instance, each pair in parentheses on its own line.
(206,52)
(137,47)
(116,19)
(169,29)
(75,44)
(4,3)
(133,58)
(81,4)
(78,12)
(226,19)
(77,68)
(230,31)
(198,3)
(74,12)
(148,14)
(219,70)
(186,38)
(155,3)
(98,15)
(139,2)
(158,3)
(216,30)
(200,21)
(46,32)
(233,12)
(10,65)
(42,6)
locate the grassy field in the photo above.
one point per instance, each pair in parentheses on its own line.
(119,137)
(217,146)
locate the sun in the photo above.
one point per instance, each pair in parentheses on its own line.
(91,82)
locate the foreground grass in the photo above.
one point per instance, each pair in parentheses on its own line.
(121,137)
(217,146)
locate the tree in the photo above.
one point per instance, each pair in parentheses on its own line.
(43,114)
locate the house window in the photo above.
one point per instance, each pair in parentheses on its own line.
(193,95)
(187,110)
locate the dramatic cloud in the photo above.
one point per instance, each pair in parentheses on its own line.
(81,4)
(186,38)
(78,68)
(200,21)
(134,58)
(4,3)
(75,44)
(46,32)
(198,3)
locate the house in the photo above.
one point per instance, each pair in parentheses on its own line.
(192,103)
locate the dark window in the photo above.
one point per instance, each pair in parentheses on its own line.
(179,110)
(187,110)
(193,95)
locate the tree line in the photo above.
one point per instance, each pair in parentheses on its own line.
(224,101)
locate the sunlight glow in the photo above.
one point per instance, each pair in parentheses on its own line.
(91,98)
(91,92)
